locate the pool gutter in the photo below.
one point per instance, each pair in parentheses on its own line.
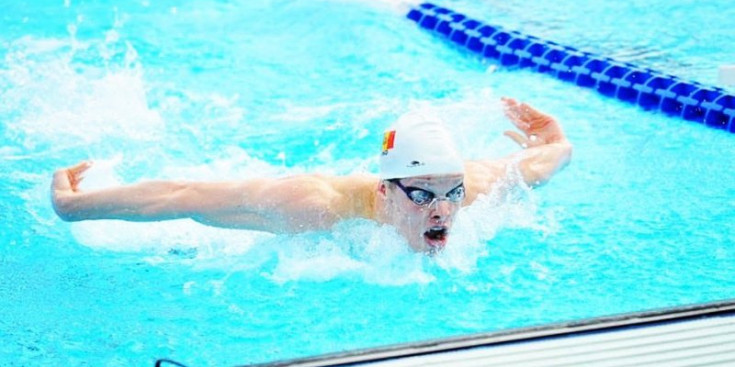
(715,318)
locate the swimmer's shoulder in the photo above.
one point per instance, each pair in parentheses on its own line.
(347,196)
(481,177)
(357,179)
(357,192)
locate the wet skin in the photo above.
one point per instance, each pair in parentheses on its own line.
(426,228)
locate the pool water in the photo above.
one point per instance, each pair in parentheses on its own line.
(641,219)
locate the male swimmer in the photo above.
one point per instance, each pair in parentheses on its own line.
(421,186)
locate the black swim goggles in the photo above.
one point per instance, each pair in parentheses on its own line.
(423,197)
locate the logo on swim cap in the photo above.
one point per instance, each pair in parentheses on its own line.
(417,145)
(388,139)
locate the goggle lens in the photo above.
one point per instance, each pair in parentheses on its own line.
(423,197)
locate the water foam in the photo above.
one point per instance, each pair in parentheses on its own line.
(57,100)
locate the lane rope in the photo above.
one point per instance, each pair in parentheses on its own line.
(649,89)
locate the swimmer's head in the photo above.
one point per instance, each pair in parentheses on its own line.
(422,181)
(418,145)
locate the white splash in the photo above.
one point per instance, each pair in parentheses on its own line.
(353,249)
(56,100)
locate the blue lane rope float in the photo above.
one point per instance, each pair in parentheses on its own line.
(649,89)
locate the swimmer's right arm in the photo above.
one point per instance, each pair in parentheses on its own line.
(290,204)
(546,152)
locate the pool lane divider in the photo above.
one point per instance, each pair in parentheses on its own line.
(649,89)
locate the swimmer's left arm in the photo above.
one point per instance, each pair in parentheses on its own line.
(546,150)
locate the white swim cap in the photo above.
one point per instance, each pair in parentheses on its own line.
(417,145)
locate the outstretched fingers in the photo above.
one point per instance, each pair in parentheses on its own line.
(76,173)
(515,113)
(538,127)
(526,112)
(68,179)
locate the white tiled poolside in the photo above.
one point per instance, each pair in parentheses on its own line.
(693,335)
(705,342)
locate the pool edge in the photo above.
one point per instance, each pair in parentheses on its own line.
(580,327)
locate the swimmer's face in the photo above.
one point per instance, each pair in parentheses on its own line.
(423,208)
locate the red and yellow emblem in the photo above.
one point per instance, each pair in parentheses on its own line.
(388,139)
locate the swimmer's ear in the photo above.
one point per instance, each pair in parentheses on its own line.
(382,188)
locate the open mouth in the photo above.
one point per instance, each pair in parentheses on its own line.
(436,237)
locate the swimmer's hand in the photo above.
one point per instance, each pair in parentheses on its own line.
(65,186)
(538,128)
(546,149)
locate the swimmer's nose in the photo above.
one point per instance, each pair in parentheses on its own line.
(441,209)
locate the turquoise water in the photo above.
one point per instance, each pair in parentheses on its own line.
(641,219)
